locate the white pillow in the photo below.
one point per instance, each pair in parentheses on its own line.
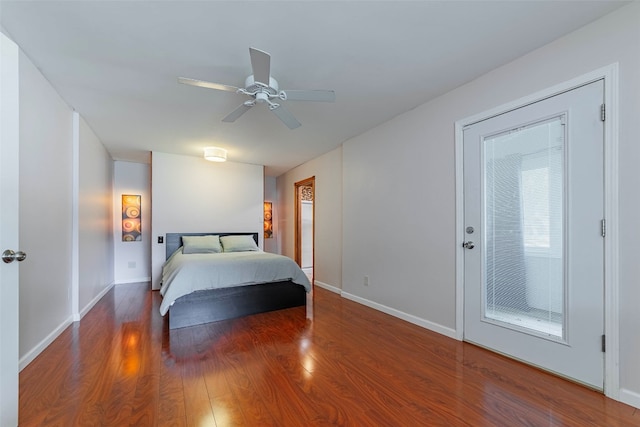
(209,244)
(238,243)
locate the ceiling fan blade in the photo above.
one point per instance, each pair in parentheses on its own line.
(261,65)
(233,116)
(310,95)
(208,85)
(286,117)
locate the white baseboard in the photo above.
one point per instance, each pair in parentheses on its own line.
(138,280)
(34,352)
(630,397)
(327,287)
(451,333)
(78,316)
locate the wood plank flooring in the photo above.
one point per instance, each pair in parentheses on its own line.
(349,365)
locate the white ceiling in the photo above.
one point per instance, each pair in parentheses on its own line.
(116,63)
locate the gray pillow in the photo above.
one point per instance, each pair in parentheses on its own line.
(209,244)
(237,243)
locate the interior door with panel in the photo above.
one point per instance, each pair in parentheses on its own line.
(9,126)
(533,206)
(304,225)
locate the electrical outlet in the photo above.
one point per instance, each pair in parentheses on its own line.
(160,239)
(366,280)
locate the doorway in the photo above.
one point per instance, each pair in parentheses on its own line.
(534,248)
(304,228)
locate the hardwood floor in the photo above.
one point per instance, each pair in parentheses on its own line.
(350,365)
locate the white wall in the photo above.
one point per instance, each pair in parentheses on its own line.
(190,194)
(95,219)
(327,170)
(399,184)
(59,220)
(45,208)
(271,195)
(132,259)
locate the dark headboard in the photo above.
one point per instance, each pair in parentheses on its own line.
(174,240)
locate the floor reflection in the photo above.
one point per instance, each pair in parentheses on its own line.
(196,343)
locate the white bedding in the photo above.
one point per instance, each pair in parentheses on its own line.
(183,274)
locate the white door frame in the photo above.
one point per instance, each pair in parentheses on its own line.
(611,283)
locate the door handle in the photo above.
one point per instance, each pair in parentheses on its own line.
(9,256)
(468,245)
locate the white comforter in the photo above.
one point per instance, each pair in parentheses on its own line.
(183,274)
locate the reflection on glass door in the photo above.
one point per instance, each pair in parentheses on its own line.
(524,286)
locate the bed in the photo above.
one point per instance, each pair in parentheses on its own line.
(204,283)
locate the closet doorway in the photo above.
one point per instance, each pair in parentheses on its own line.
(304,229)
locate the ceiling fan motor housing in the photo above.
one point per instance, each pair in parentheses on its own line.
(250,85)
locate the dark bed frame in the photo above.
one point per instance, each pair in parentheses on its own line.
(213,305)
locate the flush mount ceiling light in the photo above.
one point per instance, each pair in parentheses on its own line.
(215,154)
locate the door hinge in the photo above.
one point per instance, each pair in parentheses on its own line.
(604,346)
(603,227)
(603,113)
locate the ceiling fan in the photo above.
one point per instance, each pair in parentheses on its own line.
(263,89)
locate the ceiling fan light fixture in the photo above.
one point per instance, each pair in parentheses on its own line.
(262,97)
(215,154)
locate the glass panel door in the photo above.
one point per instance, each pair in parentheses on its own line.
(534,253)
(524,284)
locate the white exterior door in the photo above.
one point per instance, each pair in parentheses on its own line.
(534,258)
(9,126)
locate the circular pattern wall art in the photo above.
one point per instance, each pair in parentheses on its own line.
(131,224)
(268,220)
